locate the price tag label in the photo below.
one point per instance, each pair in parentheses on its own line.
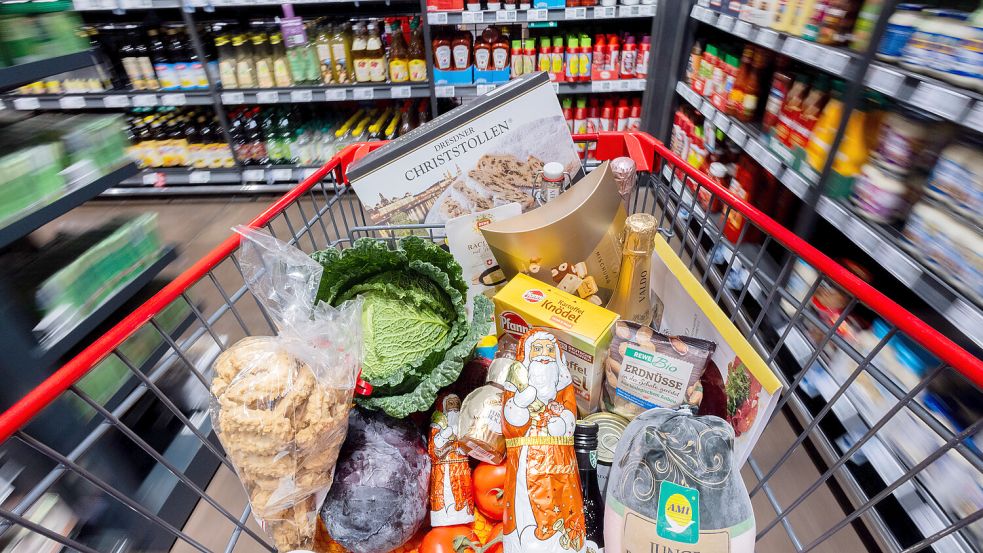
(767,38)
(556,88)
(472,17)
(505,16)
(743,29)
(708,110)
(681,88)
(401,92)
(795,183)
(199,177)
(884,80)
(865,237)
(975,119)
(233,98)
(628,11)
(900,265)
(771,163)
(667,172)
(721,121)
(725,23)
(966,318)
(173,99)
(335,94)
(437,18)
(575,13)
(602,12)
(791,47)
(149,179)
(540,15)
(309,171)
(268,97)
(299,96)
(282,175)
(26,104)
(254,175)
(835,62)
(136,4)
(831,212)
(624,85)
(940,101)
(116,101)
(601,86)
(71,102)
(737,134)
(364,93)
(485,88)
(647,10)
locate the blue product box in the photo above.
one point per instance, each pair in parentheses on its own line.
(453,77)
(495,76)
(541,4)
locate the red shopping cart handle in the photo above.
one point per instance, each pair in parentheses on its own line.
(362,388)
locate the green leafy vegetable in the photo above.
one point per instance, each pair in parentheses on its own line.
(417,335)
(738,386)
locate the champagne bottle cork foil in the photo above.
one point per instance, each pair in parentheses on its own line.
(480,425)
(640,230)
(626,175)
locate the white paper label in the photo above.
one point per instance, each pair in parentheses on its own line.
(601,86)
(233,98)
(437,18)
(472,17)
(282,175)
(335,94)
(309,172)
(767,38)
(116,101)
(199,177)
(647,10)
(650,379)
(725,23)
(721,121)
(26,103)
(505,16)
(254,175)
(628,11)
(638,84)
(538,15)
(604,12)
(831,212)
(485,88)
(71,102)
(135,4)
(299,96)
(966,318)
(737,134)
(173,99)
(707,109)
(975,119)
(556,88)
(267,97)
(795,183)
(900,265)
(835,62)
(623,85)
(884,80)
(771,163)
(401,92)
(446,91)
(938,100)
(149,179)
(364,93)
(743,29)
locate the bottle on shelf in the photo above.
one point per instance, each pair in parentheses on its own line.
(226,62)
(263,60)
(322,45)
(461,50)
(375,55)
(245,66)
(341,54)
(167,77)
(500,52)
(399,71)
(442,53)
(416,54)
(281,65)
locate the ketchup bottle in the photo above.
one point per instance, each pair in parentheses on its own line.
(607,116)
(621,115)
(628,56)
(635,115)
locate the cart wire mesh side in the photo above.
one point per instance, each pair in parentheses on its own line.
(115,449)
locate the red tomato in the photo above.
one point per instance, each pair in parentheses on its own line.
(496,534)
(489,490)
(441,539)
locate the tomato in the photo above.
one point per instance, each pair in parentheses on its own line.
(489,490)
(441,539)
(496,534)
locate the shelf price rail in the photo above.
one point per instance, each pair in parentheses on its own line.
(318,214)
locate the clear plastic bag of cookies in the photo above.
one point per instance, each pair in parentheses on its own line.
(280,403)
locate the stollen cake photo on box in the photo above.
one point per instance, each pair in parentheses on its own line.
(484,154)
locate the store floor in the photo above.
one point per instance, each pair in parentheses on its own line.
(198,225)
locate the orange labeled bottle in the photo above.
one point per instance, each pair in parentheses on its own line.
(442,53)
(461,50)
(482,52)
(500,52)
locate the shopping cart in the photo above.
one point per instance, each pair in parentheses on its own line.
(830,470)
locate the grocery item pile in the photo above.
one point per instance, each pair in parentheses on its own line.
(395,412)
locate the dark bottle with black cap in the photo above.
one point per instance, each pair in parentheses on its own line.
(585,444)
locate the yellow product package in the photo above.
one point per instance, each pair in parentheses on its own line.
(583,329)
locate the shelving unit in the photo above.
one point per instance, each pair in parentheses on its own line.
(24,73)
(534,15)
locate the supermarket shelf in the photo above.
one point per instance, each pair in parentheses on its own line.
(919,504)
(49,352)
(883,245)
(34,219)
(198,190)
(934,96)
(249,177)
(593,87)
(24,73)
(329,93)
(123,5)
(838,61)
(292,95)
(552,14)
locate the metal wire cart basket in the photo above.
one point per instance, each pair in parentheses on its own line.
(855,457)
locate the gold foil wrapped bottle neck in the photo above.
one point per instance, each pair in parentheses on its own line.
(639,237)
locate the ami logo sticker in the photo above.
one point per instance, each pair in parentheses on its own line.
(679,513)
(533,295)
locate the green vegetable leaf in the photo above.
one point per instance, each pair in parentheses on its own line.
(738,386)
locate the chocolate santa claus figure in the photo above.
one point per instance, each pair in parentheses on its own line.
(451,494)
(544,510)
